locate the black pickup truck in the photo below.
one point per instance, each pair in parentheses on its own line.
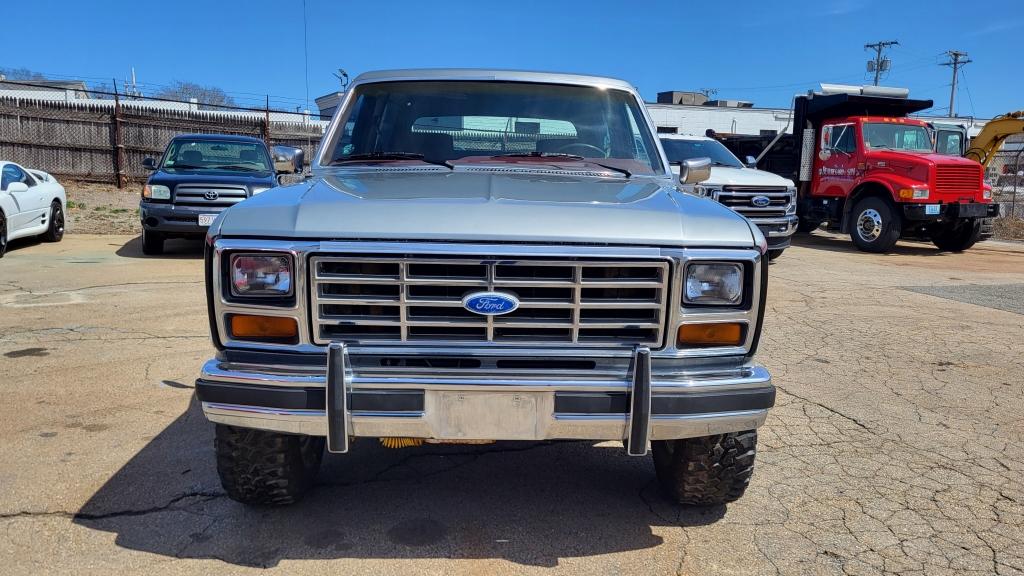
(201,175)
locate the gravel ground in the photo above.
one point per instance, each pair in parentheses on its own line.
(102,208)
(896,445)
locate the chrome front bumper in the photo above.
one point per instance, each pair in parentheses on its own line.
(777,227)
(645,401)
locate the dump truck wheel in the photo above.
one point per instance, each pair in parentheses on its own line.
(958,238)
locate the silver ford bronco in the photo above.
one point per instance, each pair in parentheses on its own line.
(483,256)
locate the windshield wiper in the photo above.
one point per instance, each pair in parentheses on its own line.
(185,167)
(386,156)
(564,156)
(559,155)
(237,167)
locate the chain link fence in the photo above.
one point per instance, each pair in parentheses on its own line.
(104,136)
(1006,175)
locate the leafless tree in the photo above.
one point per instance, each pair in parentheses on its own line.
(207,96)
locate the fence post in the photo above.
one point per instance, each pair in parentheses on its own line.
(121,179)
(266,123)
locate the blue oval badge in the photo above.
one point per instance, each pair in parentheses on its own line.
(760,201)
(490,303)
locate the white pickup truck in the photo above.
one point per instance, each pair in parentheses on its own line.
(766,199)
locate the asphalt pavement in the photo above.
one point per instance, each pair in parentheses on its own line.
(895,446)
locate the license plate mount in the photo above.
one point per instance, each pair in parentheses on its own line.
(490,415)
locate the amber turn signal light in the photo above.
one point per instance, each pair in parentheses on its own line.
(275,329)
(712,334)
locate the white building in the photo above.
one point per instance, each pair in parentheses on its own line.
(697,119)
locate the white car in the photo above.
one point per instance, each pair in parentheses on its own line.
(766,199)
(32,203)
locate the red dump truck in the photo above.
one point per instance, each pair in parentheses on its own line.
(863,167)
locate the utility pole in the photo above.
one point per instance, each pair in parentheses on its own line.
(957,60)
(879,64)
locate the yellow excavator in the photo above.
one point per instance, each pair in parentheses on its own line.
(984,146)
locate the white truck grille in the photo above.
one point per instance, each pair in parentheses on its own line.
(741,199)
(419,300)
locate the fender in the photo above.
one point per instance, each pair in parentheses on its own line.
(876,183)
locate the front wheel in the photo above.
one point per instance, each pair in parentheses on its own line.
(875,226)
(55,233)
(706,471)
(773,254)
(260,467)
(3,235)
(806,226)
(958,238)
(152,243)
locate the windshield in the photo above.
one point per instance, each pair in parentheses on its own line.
(679,150)
(891,136)
(474,121)
(194,154)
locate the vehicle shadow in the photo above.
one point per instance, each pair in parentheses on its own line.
(529,503)
(180,248)
(842,243)
(21,243)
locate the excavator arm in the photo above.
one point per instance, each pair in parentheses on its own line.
(985,145)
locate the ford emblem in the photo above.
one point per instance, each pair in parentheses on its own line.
(760,201)
(490,303)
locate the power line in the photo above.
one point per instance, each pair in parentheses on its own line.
(969,97)
(957,60)
(879,64)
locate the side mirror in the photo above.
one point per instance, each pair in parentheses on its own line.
(15,187)
(694,170)
(149,164)
(751,162)
(288,159)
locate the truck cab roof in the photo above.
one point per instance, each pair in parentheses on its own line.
(427,74)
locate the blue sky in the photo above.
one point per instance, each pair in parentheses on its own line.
(764,53)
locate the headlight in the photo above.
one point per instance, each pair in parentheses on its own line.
(707,191)
(256,191)
(986,193)
(914,193)
(714,284)
(261,275)
(156,192)
(791,207)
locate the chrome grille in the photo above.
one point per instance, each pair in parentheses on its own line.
(204,196)
(739,199)
(958,179)
(409,299)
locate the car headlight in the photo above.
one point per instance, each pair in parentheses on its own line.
(714,284)
(156,192)
(256,275)
(256,191)
(986,193)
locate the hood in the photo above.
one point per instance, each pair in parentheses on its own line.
(486,206)
(729,176)
(172,179)
(918,158)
